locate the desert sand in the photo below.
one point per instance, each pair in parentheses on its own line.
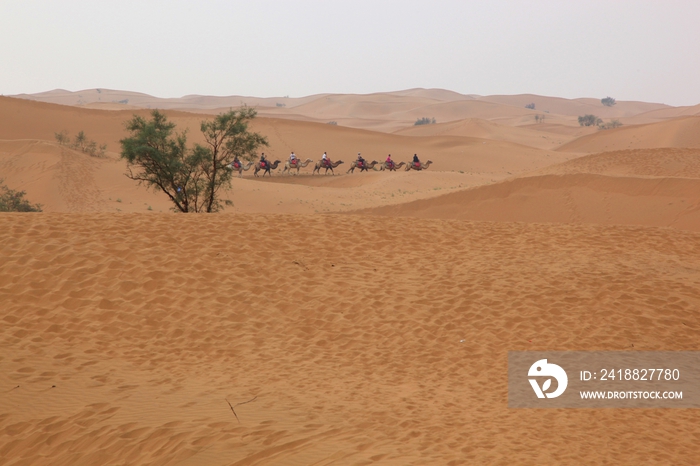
(348,319)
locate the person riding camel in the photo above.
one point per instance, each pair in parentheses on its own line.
(293,158)
(389,162)
(263,160)
(416,162)
(236,163)
(360,160)
(326,161)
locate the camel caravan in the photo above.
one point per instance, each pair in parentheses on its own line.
(294,164)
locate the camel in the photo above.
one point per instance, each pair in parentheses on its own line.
(289,166)
(320,165)
(365,166)
(268,166)
(421,165)
(393,167)
(241,168)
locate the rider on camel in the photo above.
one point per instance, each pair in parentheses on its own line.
(360,160)
(293,158)
(389,161)
(236,163)
(326,160)
(263,160)
(416,162)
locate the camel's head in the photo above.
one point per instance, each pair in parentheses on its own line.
(340,161)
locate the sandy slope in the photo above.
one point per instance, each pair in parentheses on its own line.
(658,187)
(576,107)
(584,198)
(678,132)
(365,340)
(663,114)
(530,136)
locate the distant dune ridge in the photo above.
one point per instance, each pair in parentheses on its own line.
(376,332)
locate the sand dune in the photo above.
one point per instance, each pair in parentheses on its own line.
(580,198)
(663,114)
(679,132)
(666,162)
(654,187)
(193,102)
(383,111)
(360,340)
(576,107)
(477,128)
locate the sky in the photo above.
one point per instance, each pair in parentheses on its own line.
(628,49)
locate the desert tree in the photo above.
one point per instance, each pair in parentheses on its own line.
(608,101)
(227,138)
(158,157)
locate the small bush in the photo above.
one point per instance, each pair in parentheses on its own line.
(589,120)
(280,104)
(13,201)
(608,101)
(530,106)
(332,123)
(62,138)
(425,121)
(81,143)
(612,124)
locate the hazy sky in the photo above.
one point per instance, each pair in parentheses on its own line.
(631,50)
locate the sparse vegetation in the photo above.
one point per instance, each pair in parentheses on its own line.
(608,101)
(530,106)
(612,124)
(14,201)
(191,177)
(425,121)
(279,104)
(82,143)
(539,118)
(589,120)
(334,123)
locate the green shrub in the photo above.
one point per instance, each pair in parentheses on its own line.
(608,101)
(612,124)
(425,121)
(589,120)
(13,201)
(81,143)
